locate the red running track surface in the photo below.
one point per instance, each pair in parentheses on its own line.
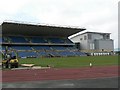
(59,73)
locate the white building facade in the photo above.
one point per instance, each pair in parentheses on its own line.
(94,41)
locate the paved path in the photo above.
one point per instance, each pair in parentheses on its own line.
(84,83)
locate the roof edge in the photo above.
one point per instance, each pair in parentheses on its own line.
(43,24)
(89,32)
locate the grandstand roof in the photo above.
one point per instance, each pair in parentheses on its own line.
(14,28)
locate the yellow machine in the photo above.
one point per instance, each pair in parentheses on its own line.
(9,62)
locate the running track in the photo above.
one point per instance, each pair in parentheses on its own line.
(59,74)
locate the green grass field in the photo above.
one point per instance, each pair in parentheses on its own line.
(72,62)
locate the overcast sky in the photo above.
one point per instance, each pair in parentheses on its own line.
(94,15)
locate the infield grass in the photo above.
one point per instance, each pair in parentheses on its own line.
(72,62)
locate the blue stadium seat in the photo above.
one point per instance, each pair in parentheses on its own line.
(42,53)
(56,40)
(66,53)
(72,48)
(4,47)
(78,53)
(43,50)
(21,47)
(38,40)
(54,53)
(58,48)
(41,47)
(27,54)
(18,39)
(2,40)
(13,53)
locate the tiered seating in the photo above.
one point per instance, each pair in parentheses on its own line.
(4,40)
(41,47)
(27,54)
(56,40)
(72,48)
(58,48)
(80,53)
(13,53)
(21,47)
(68,41)
(48,47)
(53,53)
(38,40)
(18,39)
(42,53)
(66,53)
(46,54)
(3,48)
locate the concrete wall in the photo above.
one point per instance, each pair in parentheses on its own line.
(104,44)
(75,39)
(96,36)
(83,42)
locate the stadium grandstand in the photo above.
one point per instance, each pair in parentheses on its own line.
(37,40)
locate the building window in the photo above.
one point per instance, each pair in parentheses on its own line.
(85,37)
(89,36)
(107,37)
(80,38)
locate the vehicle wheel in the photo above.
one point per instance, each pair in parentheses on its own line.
(6,65)
(9,66)
(12,66)
(16,66)
(3,66)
